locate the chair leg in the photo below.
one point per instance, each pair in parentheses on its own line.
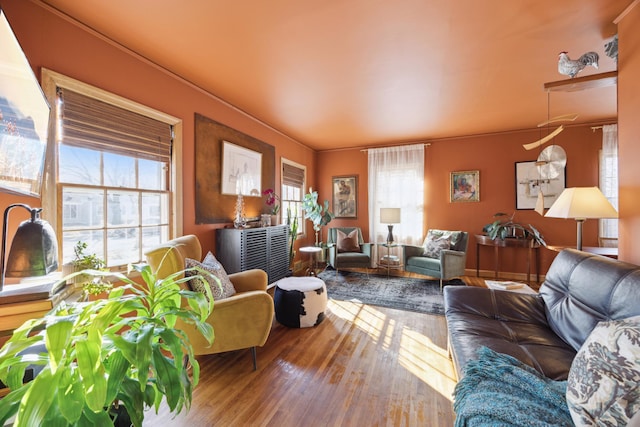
(254,354)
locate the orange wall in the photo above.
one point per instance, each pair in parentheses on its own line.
(51,42)
(629,135)
(494,156)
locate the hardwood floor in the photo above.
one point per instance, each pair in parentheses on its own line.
(362,366)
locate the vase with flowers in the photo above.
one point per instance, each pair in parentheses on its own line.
(273,202)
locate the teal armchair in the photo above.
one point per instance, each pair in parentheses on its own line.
(451,262)
(359,258)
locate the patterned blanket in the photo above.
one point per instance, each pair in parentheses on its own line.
(499,390)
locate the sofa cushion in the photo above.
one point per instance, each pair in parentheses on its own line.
(581,290)
(210,264)
(603,380)
(425,262)
(435,243)
(348,242)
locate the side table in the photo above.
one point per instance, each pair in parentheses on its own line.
(390,261)
(313,252)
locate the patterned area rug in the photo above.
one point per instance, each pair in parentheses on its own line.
(401,293)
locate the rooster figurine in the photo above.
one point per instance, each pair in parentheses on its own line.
(570,67)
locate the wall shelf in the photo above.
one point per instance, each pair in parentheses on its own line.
(592,81)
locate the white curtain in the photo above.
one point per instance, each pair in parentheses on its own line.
(609,176)
(396,180)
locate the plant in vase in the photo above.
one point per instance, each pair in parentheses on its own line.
(504,227)
(292,222)
(82,261)
(273,201)
(320,215)
(120,352)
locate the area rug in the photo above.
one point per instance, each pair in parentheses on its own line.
(401,293)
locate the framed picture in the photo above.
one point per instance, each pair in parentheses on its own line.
(465,186)
(529,183)
(241,170)
(345,196)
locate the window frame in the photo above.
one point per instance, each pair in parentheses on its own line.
(301,221)
(51,80)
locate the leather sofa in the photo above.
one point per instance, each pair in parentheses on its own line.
(546,330)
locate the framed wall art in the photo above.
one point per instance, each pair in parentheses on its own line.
(465,186)
(529,183)
(345,196)
(241,170)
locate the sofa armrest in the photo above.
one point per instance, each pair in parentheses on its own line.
(366,248)
(411,251)
(249,280)
(452,263)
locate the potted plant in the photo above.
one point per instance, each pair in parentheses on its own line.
(120,352)
(292,222)
(504,227)
(82,261)
(320,215)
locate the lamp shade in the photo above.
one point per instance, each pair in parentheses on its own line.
(390,215)
(582,203)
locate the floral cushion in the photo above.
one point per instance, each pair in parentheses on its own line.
(348,242)
(220,291)
(603,381)
(435,243)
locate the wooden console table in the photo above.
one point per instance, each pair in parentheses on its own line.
(532,247)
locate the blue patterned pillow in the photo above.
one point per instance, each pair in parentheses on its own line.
(603,381)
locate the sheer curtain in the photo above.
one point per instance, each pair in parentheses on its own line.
(396,180)
(609,176)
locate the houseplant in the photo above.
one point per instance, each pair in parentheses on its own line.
(122,351)
(292,222)
(82,261)
(320,215)
(503,227)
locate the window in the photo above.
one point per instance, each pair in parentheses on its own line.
(293,184)
(609,177)
(115,173)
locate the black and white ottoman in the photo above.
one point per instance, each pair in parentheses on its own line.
(300,302)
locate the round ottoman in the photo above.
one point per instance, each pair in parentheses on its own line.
(300,302)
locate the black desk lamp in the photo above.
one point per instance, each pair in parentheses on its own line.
(34,250)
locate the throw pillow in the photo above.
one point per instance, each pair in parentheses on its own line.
(348,242)
(434,244)
(213,266)
(603,380)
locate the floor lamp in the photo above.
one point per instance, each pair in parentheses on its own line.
(581,203)
(34,249)
(390,216)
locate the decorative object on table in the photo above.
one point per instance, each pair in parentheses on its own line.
(34,249)
(265,220)
(390,216)
(465,186)
(345,196)
(581,203)
(529,184)
(239,219)
(24,119)
(99,356)
(211,205)
(611,48)
(504,227)
(570,67)
(273,202)
(320,215)
(400,293)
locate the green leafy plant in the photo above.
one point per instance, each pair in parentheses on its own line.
(320,215)
(122,351)
(292,221)
(83,261)
(504,227)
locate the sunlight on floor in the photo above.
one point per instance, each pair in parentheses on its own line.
(418,353)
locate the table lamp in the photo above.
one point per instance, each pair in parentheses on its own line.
(581,203)
(34,250)
(390,216)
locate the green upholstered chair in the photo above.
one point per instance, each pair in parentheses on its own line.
(360,258)
(450,263)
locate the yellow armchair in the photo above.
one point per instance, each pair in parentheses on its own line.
(241,321)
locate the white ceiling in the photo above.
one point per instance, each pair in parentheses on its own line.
(352,73)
